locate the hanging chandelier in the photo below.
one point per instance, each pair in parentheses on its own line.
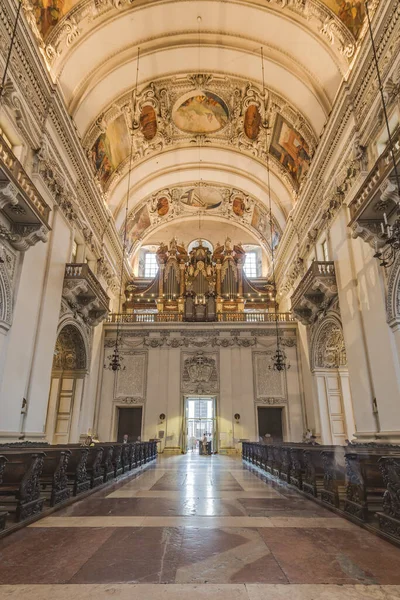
(115,360)
(390,234)
(279,360)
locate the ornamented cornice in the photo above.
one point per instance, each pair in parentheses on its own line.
(78,22)
(354,101)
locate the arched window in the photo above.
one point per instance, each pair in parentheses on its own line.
(252,266)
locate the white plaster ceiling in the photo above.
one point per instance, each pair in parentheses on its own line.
(93,54)
(187,165)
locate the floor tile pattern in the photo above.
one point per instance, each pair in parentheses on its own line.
(198,527)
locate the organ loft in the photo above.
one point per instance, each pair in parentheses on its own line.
(201,284)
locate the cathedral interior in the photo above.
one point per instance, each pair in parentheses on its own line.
(200,299)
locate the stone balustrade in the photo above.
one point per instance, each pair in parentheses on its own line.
(315,293)
(84,293)
(26,212)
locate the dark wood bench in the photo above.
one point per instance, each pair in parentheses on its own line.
(389,517)
(78,478)
(20,488)
(365,486)
(334,486)
(3,513)
(94,465)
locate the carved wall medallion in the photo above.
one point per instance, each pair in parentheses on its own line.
(199,373)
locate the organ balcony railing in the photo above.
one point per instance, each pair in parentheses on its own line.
(234,317)
(24,211)
(84,293)
(377,194)
(315,293)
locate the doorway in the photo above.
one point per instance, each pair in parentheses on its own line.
(130,423)
(200,422)
(270,422)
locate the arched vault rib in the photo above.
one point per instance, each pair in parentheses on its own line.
(235,59)
(221,167)
(311,16)
(310,98)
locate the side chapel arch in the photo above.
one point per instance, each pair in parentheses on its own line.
(329,368)
(328,350)
(6,301)
(70,366)
(393,295)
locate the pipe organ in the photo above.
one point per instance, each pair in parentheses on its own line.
(199,284)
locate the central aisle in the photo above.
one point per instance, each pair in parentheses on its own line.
(207,527)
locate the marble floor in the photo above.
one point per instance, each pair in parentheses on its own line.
(198,527)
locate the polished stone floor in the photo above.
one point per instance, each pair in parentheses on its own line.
(197,527)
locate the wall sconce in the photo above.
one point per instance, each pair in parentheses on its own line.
(162,417)
(237,417)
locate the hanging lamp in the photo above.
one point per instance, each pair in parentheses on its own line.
(279,359)
(114,360)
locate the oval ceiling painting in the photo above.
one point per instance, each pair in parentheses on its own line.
(148,122)
(202,197)
(252,122)
(200,112)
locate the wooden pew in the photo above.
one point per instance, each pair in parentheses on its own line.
(313,471)
(94,465)
(365,486)
(334,487)
(3,513)
(297,466)
(20,489)
(78,478)
(389,518)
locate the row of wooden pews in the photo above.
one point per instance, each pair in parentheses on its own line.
(361,481)
(33,477)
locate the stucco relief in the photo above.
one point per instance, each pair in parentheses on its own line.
(269,385)
(393,295)
(199,372)
(70,350)
(328,350)
(131,382)
(215,201)
(6,299)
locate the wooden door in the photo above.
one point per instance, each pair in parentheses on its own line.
(130,423)
(270,421)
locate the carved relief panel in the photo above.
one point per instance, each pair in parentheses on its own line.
(269,385)
(199,372)
(131,383)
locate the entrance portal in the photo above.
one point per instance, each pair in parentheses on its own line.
(129,423)
(200,421)
(270,422)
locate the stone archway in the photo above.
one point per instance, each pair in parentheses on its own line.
(67,385)
(393,302)
(329,367)
(5,299)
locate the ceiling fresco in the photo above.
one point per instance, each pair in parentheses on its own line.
(224,112)
(48,13)
(207,201)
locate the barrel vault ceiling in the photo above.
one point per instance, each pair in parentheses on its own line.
(203,128)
